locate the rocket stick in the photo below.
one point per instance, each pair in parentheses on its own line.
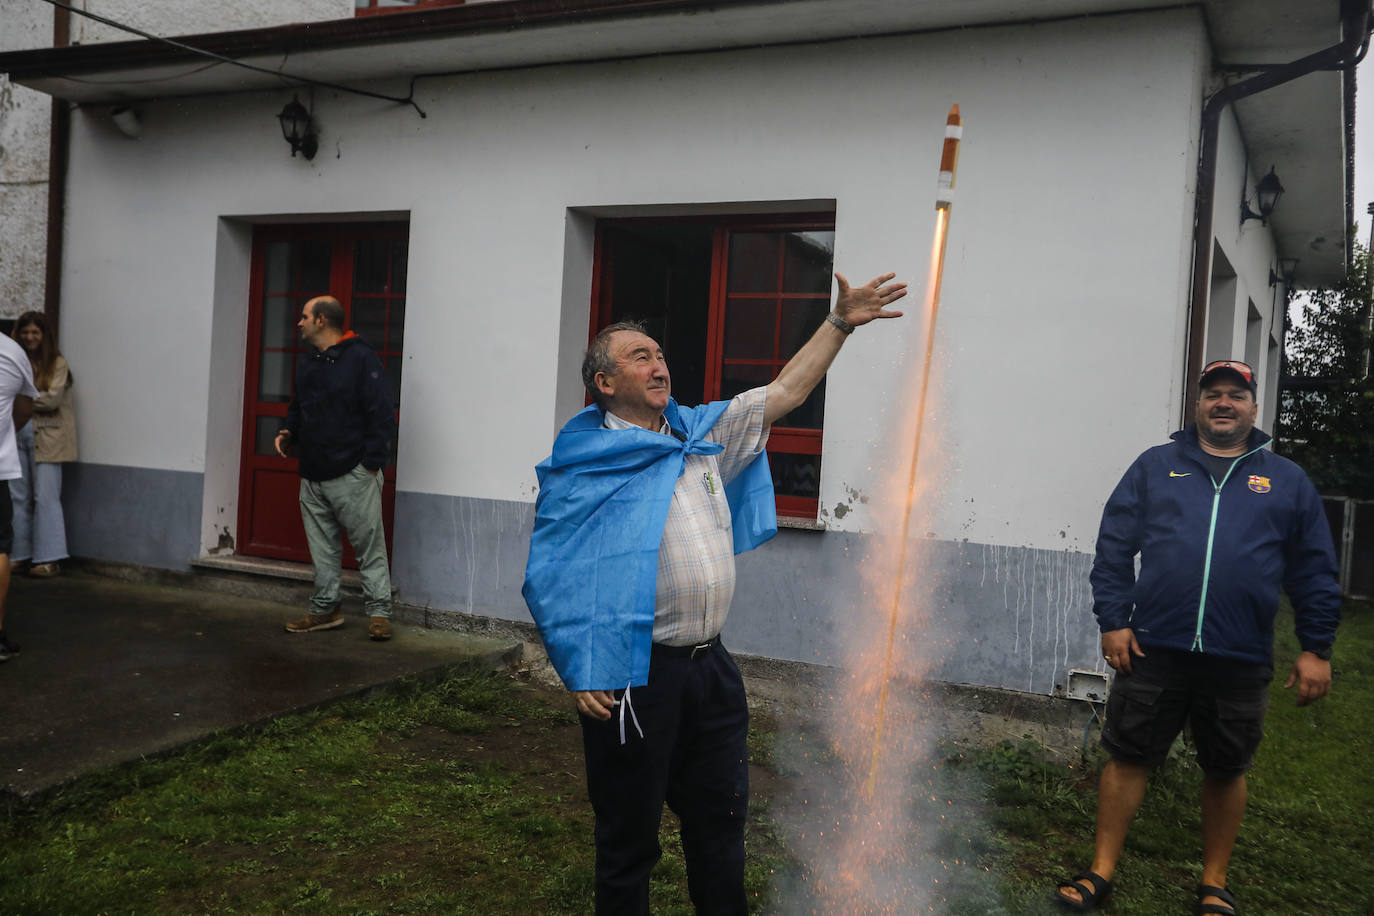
(944,199)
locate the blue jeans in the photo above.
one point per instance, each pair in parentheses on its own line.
(351,503)
(40,531)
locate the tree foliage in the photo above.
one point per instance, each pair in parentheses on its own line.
(1326,422)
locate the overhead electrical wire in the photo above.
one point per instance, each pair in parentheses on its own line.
(304,80)
(152,79)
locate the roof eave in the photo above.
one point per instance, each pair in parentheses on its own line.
(414,25)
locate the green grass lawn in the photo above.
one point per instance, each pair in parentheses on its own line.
(1308,838)
(467,796)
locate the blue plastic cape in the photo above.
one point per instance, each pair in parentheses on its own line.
(593,565)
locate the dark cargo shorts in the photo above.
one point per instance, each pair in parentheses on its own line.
(6,519)
(1223,701)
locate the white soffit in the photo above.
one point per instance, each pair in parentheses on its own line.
(1298,127)
(515,44)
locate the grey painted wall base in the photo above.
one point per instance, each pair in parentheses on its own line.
(459,554)
(132,515)
(1016,618)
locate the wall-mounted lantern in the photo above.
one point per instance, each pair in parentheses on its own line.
(1267,194)
(127,121)
(1288,273)
(298,129)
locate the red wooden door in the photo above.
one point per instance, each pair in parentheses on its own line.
(364,267)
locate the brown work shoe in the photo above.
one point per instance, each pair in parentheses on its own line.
(45,570)
(312,622)
(379,628)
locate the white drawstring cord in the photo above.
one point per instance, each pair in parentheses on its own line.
(625,705)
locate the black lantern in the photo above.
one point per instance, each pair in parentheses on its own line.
(1287,274)
(298,129)
(1267,194)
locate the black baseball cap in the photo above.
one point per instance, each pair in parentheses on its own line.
(1234,367)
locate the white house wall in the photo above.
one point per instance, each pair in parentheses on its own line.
(1249,249)
(25,115)
(197,17)
(1058,352)
(24,119)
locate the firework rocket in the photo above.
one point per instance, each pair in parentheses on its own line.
(949,160)
(944,200)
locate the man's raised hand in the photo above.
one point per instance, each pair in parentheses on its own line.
(862,304)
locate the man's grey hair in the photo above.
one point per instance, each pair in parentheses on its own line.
(599,358)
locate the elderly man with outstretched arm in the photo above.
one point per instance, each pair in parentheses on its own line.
(1220,525)
(642,506)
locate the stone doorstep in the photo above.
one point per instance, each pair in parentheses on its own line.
(271,569)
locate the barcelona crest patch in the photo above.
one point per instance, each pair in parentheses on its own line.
(1259,484)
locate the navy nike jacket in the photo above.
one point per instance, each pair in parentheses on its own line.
(1214,553)
(342,414)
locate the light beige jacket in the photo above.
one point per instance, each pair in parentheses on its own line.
(54,423)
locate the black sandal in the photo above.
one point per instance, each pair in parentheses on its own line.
(1228,908)
(1101,887)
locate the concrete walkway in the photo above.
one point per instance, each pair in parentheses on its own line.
(111,671)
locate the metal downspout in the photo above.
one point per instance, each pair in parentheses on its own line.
(59,142)
(1355,19)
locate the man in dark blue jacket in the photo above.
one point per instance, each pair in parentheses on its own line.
(341,423)
(1220,524)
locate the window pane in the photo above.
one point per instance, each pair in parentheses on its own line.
(399,254)
(393,378)
(266,435)
(796,475)
(753,262)
(369,321)
(274,378)
(277,269)
(735,378)
(807,260)
(279,317)
(313,257)
(395,324)
(749,325)
(371,259)
(811,413)
(800,318)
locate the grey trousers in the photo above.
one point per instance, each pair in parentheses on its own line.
(351,503)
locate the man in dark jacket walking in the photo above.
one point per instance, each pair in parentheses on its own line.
(341,423)
(1220,524)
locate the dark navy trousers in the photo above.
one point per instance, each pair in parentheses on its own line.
(694,756)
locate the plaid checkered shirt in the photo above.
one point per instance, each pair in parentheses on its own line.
(696,559)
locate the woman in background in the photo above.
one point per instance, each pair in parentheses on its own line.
(40,532)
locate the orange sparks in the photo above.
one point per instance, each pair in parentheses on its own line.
(949,164)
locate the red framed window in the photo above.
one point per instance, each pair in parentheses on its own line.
(375,7)
(731,300)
